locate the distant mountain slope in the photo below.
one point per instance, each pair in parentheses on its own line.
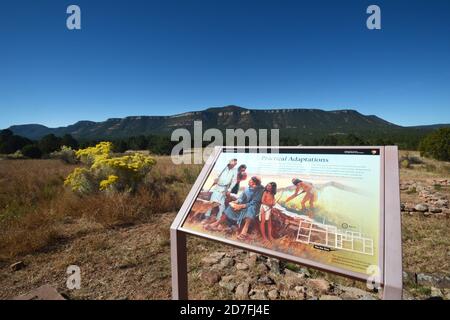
(296,122)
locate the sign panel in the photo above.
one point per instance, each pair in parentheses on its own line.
(319,207)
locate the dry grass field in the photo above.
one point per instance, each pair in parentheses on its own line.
(34,204)
(426,240)
(122,241)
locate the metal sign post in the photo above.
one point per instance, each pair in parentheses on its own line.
(390,253)
(393,274)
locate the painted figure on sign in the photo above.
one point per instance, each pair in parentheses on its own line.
(243,210)
(241,176)
(221,188)
(267,203)
(310,194)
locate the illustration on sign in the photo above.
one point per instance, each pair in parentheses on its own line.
(323,206)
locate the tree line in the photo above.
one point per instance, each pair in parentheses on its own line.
(13,144)
(436,144)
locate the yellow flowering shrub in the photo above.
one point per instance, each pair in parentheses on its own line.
(79,180)
(104,184)
(89,155)
(108,173)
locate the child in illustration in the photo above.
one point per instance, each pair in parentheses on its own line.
(267,203)
(310,196)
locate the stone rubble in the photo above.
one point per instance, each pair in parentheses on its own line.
(431,202)
(254,276)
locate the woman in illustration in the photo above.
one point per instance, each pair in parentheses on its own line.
(310,194)
(241,176)
(267,203)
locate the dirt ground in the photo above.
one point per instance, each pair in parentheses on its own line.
(133,262)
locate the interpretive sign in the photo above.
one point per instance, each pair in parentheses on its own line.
(324,207)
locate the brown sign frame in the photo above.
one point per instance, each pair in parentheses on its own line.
(390,227)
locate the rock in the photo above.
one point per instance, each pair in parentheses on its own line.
(257,294)
(241,266)
(305,272)
(273,294)
(17,266)
(421,207)
(266,280)
(436,293)
(407,295)
(405,276)
(242,291)
(409,207)
(320,285)
(45,292)
(217,267)
(217,255)
(228,278)
(293,294)
(368,297)
(444,282)
(292,279)
(227,262)
(213,258)
(435,210)
(228,283)
(427,280)
(274,265)
(261,268)
(329,297)
(209,261)
(290,273)
(441,203)
(210,277)
(251,260)
(300,289)
(351,293)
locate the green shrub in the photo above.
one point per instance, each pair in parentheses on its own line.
(65,154)
(405,164)
(412,190)
(436,145)
(32,151)
(16,155)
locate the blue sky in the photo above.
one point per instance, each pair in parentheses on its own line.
(166,57)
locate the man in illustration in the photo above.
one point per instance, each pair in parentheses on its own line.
(241,176)
(310,194)
(244,209)
(221,189)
